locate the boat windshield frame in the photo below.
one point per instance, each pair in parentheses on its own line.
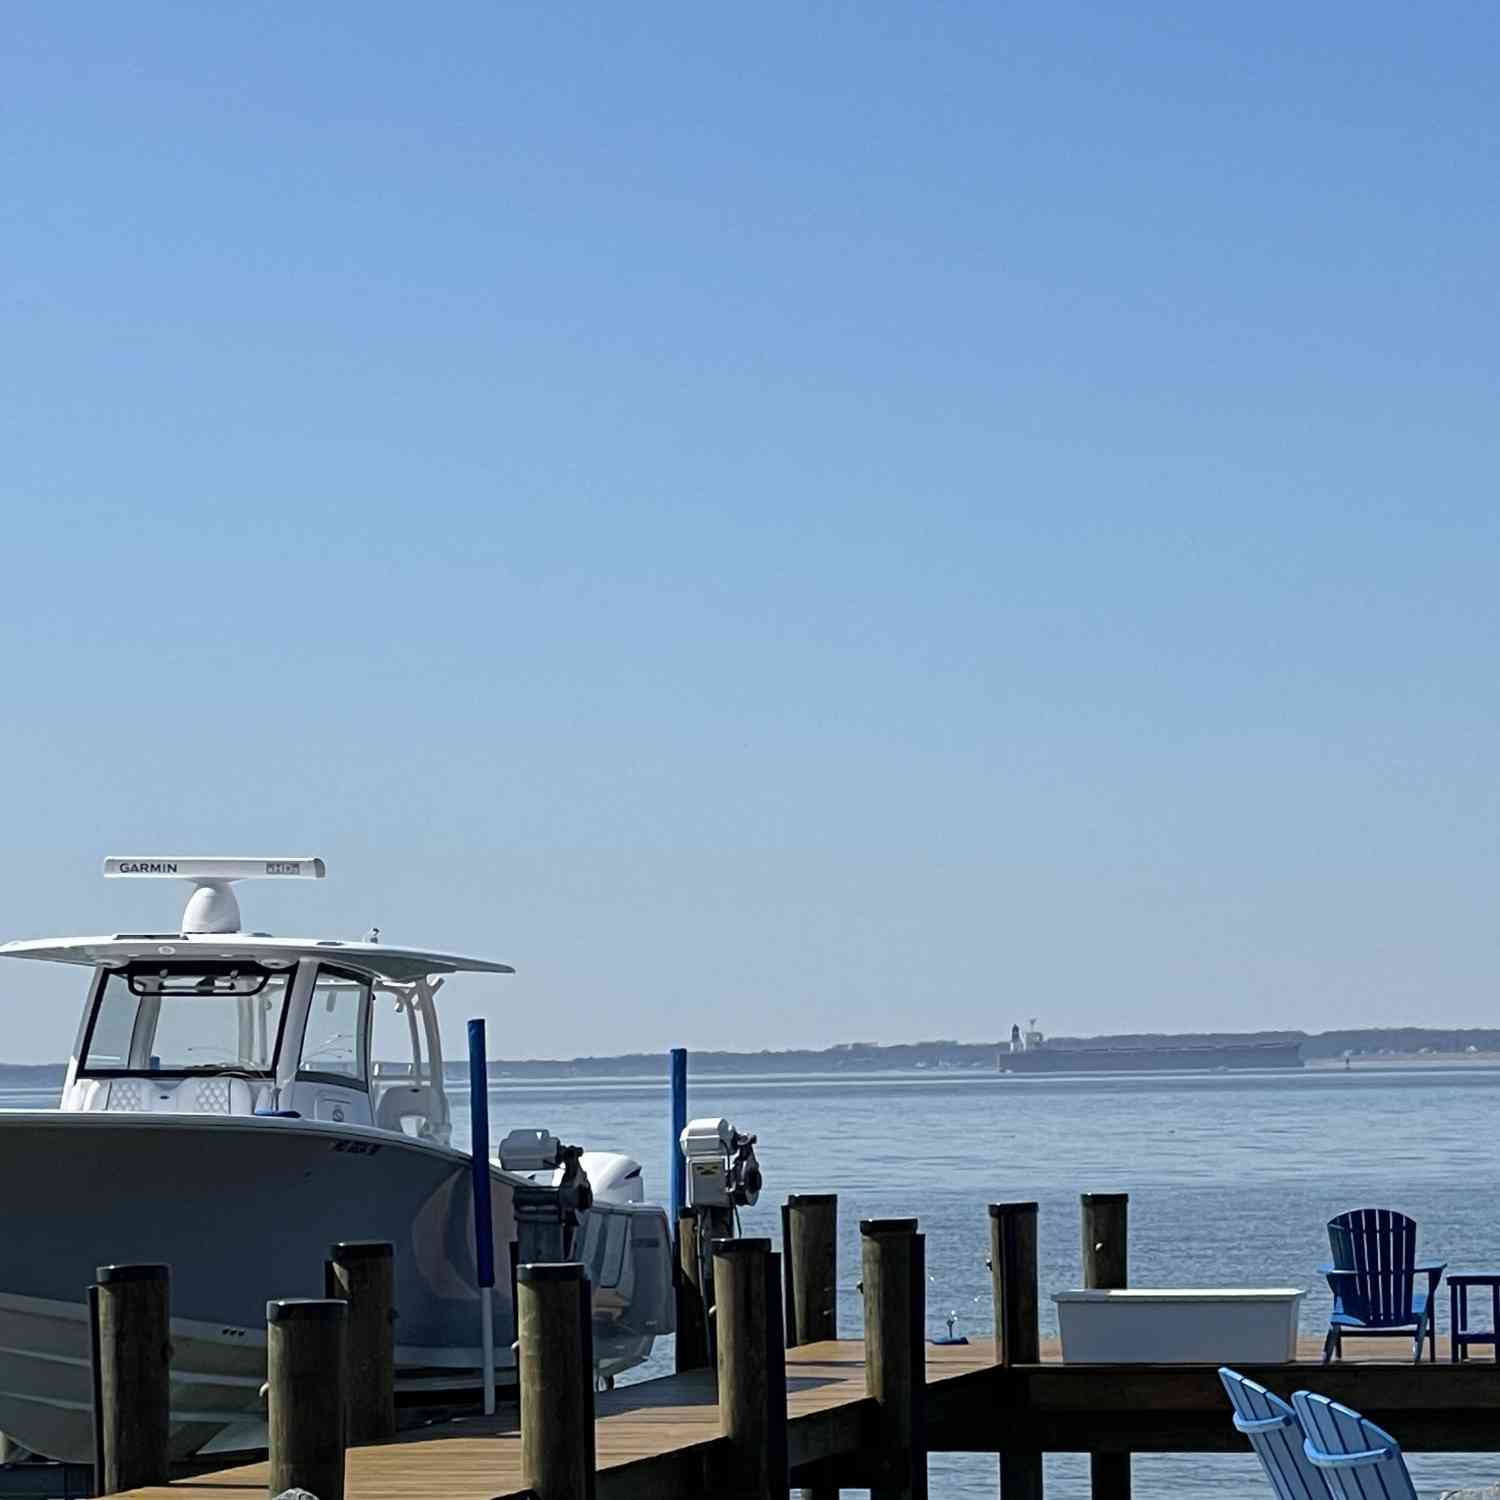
(129,973)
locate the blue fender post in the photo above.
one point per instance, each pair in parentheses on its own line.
(676,1165)
(484,1229)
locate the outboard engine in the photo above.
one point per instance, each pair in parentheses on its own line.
(623,1242)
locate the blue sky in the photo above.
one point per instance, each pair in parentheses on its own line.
(829,522)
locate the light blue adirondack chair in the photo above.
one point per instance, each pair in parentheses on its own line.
(1357,1459)
(1276,1436)
(1373,1279)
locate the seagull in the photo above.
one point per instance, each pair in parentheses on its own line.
(373,935)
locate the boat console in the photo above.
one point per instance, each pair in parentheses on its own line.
(213,1020)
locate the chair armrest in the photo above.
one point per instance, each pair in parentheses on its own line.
(1324,1460)
(1434,1270)
(1248,1425)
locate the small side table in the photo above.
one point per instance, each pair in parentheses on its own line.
(1461,1337)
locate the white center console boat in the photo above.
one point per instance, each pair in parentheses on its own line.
(223,1114)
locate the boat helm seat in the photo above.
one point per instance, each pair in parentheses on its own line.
(214,1095)
(210,1096)
(405,1101)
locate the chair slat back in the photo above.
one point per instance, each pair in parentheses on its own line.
(1380,1246)
(1273,1431)
(1357,1459)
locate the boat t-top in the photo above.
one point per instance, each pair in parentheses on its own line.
(223,1113)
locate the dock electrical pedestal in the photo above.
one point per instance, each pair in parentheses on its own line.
(723,1176)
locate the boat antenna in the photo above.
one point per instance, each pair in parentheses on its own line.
(212,907)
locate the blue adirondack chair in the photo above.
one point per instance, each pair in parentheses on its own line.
(1373,1279)
(1276,1436)
(1357,1459)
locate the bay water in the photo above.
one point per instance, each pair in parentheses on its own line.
(1232,1178)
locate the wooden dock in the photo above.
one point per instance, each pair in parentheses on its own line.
(662,1437)
(830,1414)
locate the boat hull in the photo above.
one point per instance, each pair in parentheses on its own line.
(243,1211)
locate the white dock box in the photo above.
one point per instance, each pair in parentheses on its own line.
(1245,1325)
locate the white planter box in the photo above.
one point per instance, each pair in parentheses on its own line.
(1249,1325)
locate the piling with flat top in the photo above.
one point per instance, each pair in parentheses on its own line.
(363,1273)
(810,1242)
(132,1377)
(305,1374)
(692,1303)
(556,1378)
(1017,1328)
(1103,1223)
(752,1369)
(893,1262)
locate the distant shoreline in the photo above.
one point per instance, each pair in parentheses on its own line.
(1408,1060)
(1407,1046)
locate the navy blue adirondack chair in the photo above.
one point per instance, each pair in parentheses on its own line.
(1373,1279)
(1357,1459)
(1276,1435)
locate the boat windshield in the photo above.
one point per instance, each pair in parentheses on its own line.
(198,1018)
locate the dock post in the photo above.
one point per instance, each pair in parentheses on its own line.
(809,1248)
(557,1381)
(1104,1221)
(132,1310)
(363,1273)
(305,1375)
(752,1368)
(692,1301)
(810,1243)
(676,1123)
(1017,1329)
(893,1261)
(484,1226)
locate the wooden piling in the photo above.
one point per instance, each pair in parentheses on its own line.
(1103,1223)
(692,1303)
(305,1374)
(1017,1326)
(132,1377)
(893,1262)
(556,1377)
(751,1368)
(363,1273)
(810,1243)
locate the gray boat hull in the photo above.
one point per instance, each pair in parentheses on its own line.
(243,1210)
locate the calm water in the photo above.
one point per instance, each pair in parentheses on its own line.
(1231,1180)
